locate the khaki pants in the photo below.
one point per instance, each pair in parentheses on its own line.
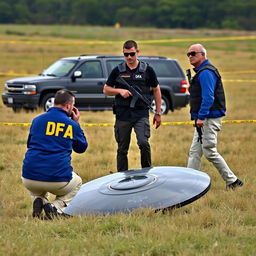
(208,148)
(64,191)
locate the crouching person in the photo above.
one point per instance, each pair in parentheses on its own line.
(47,164)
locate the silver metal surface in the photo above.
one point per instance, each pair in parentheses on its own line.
(157,187)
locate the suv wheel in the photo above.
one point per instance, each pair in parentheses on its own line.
(164,105)
(48,101)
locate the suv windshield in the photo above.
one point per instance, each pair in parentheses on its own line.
(59,68)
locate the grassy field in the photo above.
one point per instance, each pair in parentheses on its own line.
(220,223)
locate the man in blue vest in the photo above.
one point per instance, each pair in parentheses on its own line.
(47,164)
(207,108)
(142,78)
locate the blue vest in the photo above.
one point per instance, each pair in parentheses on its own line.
(196,95)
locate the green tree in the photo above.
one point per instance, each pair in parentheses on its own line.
(234,14)
(22,13)
(125,16)
(6,15)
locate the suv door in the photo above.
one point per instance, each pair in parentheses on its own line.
(111,64)
(88,88)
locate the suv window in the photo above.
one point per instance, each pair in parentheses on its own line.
(91,69)
(111,64)
(161,67)
(164,68)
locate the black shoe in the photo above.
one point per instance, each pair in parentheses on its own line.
(50,211)
(237,183)
(37,207)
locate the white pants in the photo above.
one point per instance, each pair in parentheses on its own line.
(208,148)
(64,191)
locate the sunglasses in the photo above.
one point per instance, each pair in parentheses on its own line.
(192,53)
(126,54)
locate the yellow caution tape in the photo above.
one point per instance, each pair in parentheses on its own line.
(239,80)
(239,72)
(223,122)
(163,123)
(177,123)
(205,39)
(12,73)
(149,41)
(98,125)
(238,121)
(15,124)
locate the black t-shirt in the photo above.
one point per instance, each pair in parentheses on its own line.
(126,113)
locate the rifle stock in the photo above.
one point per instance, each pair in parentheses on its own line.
(135,94)
(188,73)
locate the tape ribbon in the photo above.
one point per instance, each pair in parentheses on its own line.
(108,124)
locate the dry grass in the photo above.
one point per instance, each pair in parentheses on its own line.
(220,223)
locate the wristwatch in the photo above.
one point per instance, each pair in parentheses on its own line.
(158,113)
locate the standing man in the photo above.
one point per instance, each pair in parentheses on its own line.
(207,108)
(46,167)
(142,78)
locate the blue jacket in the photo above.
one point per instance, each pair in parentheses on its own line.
(208,82)
(52,137)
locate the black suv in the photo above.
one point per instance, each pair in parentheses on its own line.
(85,76)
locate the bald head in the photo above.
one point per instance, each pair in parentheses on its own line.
(199,48)
(197,54)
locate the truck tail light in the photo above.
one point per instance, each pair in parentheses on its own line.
(184,86)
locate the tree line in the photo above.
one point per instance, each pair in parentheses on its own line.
(225,14)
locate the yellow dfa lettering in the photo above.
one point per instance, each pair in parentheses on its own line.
(59,128)
(69,132)
(50,128)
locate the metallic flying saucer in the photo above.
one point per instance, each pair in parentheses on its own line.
(159,188)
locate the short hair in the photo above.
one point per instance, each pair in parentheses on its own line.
(129,44)
(203,50)
(63,96)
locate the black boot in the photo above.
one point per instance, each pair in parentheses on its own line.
(37,207)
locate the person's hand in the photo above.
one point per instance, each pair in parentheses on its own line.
(157,120)
(200,123)
(125,93)
(75,114)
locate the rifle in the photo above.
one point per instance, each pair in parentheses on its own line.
(135,93)
(188,73)
(199,132)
